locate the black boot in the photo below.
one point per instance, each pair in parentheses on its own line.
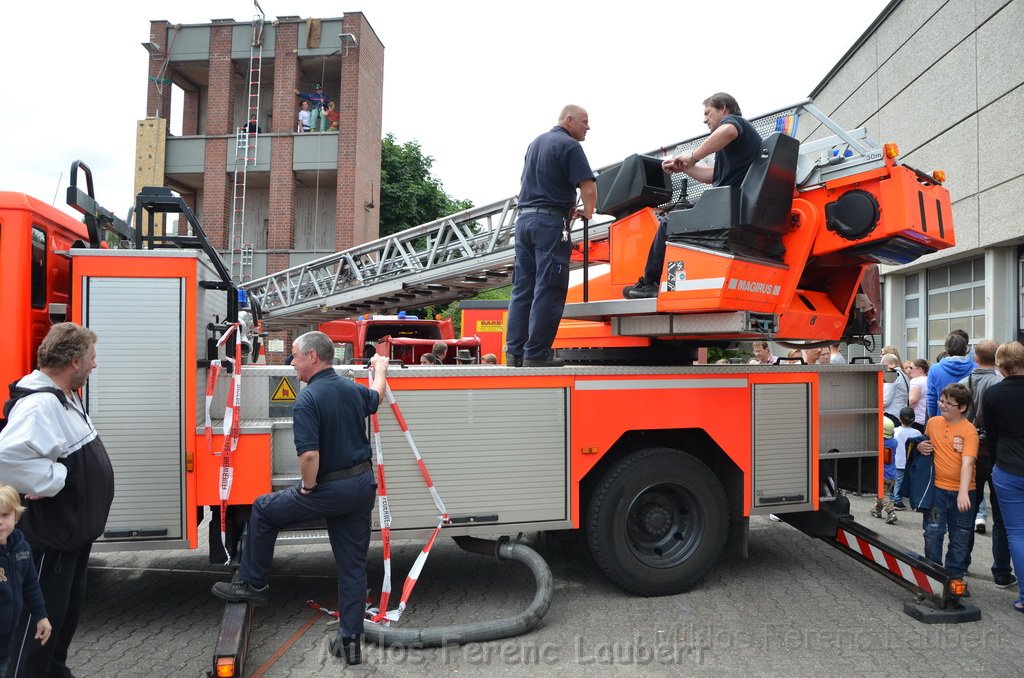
(350,648)
(641,290)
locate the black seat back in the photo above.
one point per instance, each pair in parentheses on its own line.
(766,194)
(751,218)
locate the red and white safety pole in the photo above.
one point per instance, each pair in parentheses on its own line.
(232,427)
(416,452)
(213,372)
(385,512)
(383,615)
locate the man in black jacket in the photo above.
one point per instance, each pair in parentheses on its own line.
(1004,429)
(51,453)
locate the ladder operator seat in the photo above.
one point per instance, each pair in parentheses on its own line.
(749,219)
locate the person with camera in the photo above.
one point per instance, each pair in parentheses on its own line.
(896,392)
(1005,438)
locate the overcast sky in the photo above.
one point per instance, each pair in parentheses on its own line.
(473,81)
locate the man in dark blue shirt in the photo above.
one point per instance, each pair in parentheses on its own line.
(735,143)
(555,168)
(337,484)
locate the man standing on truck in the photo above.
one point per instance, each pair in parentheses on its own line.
(555,168)
(51,453)
(337,484)
(735,143)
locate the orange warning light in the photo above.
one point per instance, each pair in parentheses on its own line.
(225,667)
(891,150)
(957,587)
(939,176)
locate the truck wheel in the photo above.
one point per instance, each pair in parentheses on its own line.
(657,522)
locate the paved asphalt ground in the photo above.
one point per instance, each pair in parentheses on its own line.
(795,607)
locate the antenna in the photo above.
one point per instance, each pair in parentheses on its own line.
(59,179)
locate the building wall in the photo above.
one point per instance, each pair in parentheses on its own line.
(361,109)
(946,82)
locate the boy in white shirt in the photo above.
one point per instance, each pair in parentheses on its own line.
(901,434)
(304,117)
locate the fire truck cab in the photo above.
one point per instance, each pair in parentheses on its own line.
(399,336)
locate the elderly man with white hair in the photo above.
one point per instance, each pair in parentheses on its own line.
(896,394)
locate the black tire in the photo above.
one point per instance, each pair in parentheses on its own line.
(657,522)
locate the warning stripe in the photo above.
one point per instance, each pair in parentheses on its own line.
(232,428)
(382,614)
(416,452)
(902,569)
(211,386)
(385,513)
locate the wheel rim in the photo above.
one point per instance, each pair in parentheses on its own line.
(664,525)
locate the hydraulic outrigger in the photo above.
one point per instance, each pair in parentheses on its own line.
(937,592)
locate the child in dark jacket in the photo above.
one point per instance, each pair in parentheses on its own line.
(19,585)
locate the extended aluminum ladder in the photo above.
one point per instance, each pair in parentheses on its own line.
(458,256)
(452,258)
(246,140)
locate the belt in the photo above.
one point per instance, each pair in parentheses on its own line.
(554,211)
(356,470)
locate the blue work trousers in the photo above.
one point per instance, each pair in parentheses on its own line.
(945,518)
(1010,490)
(656,255)
(540,285)
(346,504)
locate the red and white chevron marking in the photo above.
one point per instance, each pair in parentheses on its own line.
(888,561)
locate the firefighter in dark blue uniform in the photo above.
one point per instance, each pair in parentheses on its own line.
(555,168)
(337,484)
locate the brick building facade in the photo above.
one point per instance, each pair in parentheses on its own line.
(306,194)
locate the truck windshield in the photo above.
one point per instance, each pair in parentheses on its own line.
(343,353)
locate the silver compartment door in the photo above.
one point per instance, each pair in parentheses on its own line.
(135,399)
(496,456)
(782,448)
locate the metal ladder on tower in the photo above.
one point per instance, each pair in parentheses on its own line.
(246,142)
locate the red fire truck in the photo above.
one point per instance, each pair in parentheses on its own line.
(659,461)
(35,278)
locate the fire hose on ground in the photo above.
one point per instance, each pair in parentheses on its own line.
(505,627)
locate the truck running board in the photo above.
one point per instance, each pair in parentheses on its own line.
(938,592)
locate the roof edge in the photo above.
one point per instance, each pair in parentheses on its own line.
(868,32)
